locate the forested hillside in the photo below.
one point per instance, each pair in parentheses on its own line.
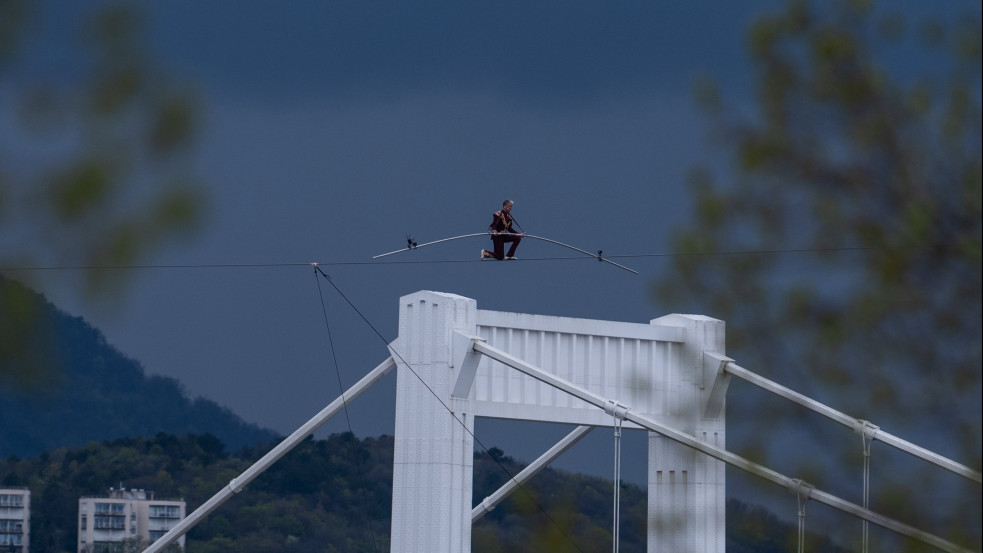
(62,384)
(335,495)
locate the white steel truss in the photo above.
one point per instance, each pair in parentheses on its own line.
(801,488)
(449,373)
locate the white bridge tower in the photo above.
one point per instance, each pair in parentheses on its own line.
(657,370)
(455,362)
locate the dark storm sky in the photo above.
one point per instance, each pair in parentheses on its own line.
(331,130)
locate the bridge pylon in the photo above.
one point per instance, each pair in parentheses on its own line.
(657,369)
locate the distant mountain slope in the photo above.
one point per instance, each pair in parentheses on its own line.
(62,384)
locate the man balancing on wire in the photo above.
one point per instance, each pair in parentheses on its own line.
(501,232)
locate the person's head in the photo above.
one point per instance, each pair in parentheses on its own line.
(507,206)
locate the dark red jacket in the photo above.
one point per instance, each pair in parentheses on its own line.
(501,222)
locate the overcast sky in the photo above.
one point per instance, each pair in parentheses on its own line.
(332,130)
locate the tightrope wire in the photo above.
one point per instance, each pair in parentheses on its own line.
(423,262)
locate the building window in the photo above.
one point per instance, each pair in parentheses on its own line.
(10,539)
(11,500)
(110,509)
(110,523)
(11,526)
(107,547)
(165,511)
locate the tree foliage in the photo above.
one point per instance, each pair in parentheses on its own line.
(860,159)
(335,495)
(94,166)
(105,132)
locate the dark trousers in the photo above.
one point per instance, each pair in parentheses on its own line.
(500,240)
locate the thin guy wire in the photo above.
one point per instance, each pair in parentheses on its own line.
(344,402)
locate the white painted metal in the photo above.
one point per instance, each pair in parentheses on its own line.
(237,484)
(866,489)
(656,366)
(638,363)
(434,442)
(860,426)
(801,501)
(616,526)
(802,489)
(463,354)
(669,377)
(687,504)
(715,383)
(531,470)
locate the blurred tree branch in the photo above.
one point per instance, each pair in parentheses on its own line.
(95,168)
(864,144)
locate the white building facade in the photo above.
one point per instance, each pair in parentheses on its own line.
(109,524)
(15,520)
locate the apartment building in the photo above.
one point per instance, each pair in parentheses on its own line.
(125,518)
(15,520)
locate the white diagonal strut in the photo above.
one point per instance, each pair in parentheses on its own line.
(795,485)
(539,464)
(862,427)
(237,484)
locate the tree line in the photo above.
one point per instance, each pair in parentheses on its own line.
(334,495)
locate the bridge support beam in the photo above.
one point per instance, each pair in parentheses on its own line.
(686,490)
(434,453)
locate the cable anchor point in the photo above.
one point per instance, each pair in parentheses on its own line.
(318,269)
(801,488)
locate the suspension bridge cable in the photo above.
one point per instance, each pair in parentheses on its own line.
(867,441)
(41,268)
(451,412)
(344,402)
(616,530)
(802,522)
